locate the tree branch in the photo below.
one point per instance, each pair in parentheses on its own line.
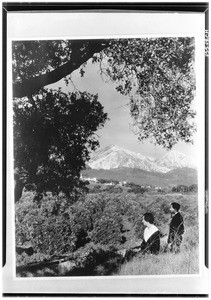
(78,57)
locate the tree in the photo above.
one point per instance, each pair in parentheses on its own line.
(157,74)
(39,63)
(54,133)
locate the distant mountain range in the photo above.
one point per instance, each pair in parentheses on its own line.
(183,176)
(115,157)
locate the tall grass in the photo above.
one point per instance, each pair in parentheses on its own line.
(163,264)
(167,263)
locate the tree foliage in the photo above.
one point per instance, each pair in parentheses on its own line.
(54,134)
(185,189)
(52,128)
(39,63)
(158,75)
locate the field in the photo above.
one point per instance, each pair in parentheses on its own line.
(57,237)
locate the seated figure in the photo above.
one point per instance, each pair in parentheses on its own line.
(151,239)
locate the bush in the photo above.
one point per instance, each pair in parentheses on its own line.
(137,190)
(55,226)
(96,189)
(80,222)
(107,230)
(185,189)
(24,259)
(114,190)
(96,260)
(46,227)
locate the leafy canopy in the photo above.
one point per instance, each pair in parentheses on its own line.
(54,132)
(157,74)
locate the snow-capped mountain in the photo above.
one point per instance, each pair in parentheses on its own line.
(113,157)
(176,159)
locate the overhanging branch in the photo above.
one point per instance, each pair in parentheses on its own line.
(78,57)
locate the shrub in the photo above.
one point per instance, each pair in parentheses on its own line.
(107,230)
(58,226)
(46,226)
(185,189)
(114,190)
(80,223)
(96,189)
(24,259)
(95,204)
(137,190)
(96,260)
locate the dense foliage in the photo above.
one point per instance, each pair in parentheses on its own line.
(54,134)
(40,63)
(158,75)
(185,189)
(46,227)
(55,228)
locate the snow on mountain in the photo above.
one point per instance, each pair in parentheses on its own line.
(175,159)
(113,157)
(150,158)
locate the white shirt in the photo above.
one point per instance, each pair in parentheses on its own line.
(149,231)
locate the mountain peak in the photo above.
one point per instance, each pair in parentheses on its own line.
(115,147)
(113,157)
(175,159)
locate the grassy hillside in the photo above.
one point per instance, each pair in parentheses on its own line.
(185,262)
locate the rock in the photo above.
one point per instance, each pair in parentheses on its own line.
(65,267)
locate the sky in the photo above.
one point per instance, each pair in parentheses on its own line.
(118,129)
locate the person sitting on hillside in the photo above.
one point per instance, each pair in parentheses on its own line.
(151,239)
(176,229)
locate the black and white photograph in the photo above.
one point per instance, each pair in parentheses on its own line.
(91,196)
(106,136)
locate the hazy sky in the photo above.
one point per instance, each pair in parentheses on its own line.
(118,129)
